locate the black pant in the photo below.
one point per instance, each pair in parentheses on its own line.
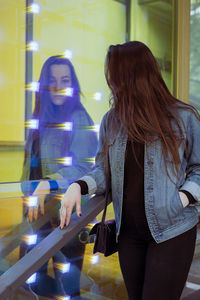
(154,271)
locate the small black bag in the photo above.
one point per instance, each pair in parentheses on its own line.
(105,231)
(105,241)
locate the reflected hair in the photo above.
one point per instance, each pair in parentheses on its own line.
(142,102)
(48,113)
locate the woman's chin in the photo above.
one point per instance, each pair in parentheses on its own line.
(58,100)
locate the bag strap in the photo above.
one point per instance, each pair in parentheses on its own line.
(108,186)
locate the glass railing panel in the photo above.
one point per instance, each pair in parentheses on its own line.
(88,276)
(72,272)
(79,32)
(38,140)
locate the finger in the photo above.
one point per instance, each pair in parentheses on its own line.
(78,209)
(62,217)
(42,204)
(35,212)
(68,216)
(30,214)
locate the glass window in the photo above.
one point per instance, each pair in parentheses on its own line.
(80,31)
(195,54)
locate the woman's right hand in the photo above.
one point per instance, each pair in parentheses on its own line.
(71,198)
(42,190)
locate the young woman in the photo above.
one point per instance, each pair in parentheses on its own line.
(153,142)
(64,132)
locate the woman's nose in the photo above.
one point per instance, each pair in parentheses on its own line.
(58,86)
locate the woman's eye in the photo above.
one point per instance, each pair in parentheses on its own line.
(66,81)
(52,82)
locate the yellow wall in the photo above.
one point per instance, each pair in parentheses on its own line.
(12,82)
(12,66)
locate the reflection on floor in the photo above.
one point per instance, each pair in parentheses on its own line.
(106,276)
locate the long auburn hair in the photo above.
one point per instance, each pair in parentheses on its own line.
(141,100)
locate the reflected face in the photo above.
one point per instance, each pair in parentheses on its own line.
(60,79)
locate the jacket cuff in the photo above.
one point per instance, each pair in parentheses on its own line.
(193,188)
(91,183)
(83,186)
(190,197)
(53,184)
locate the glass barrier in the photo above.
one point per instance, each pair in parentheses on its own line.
(72,272)
(49,126)
(49,88)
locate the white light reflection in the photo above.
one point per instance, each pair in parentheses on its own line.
(33,124)
(35,8)
(65,268)
(32,201)
(96,128)
(33,46)
(31,279)
(68,126)
(35,86)
(69,92)
(95,259)
(98,96)
(68,54)
(67,161)
(30,239)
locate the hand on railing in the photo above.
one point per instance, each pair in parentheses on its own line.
(41,191)
(71,198)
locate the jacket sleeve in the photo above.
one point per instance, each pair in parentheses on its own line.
(82,149)
(27,186)
(192,179)
(96,180)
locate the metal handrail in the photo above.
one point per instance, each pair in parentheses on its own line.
(16,275)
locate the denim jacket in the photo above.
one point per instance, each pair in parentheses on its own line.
(164,210)
(82,146)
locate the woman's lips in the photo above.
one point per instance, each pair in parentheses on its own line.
(58,97)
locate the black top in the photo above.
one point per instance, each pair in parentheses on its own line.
(133,213)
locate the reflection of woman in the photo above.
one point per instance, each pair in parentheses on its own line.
(50,142)
(153,142)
